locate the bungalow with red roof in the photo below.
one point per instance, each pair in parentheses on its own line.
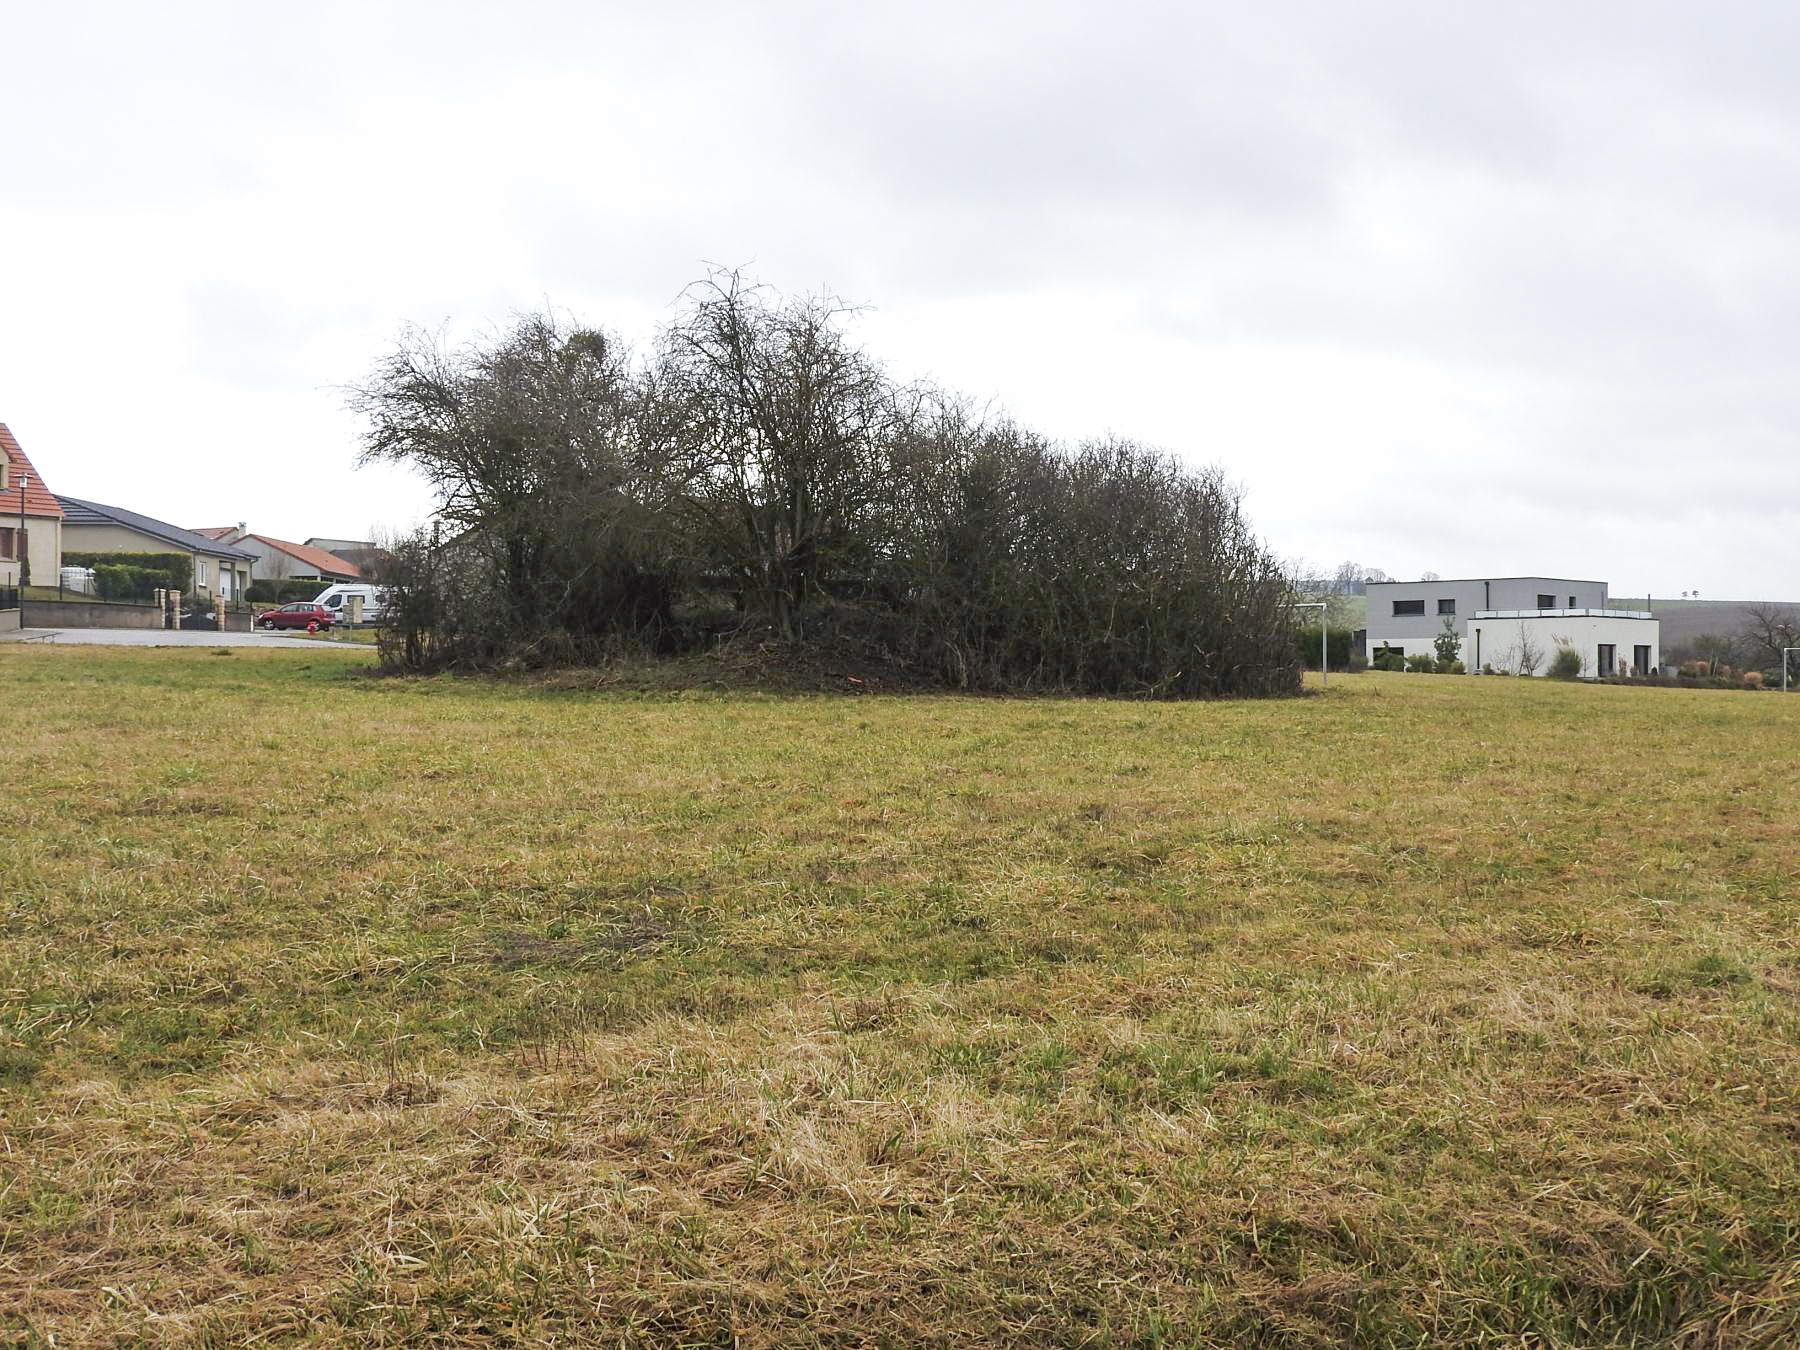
(282,560)
(31,521)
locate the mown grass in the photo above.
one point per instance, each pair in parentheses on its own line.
(356,1011)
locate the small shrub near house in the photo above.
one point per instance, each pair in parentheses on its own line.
(1420,663)
(1566,664)
(1448,647)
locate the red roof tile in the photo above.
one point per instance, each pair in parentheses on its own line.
(38,498)
(316,558)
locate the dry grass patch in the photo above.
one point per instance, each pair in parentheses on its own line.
(1430,1011)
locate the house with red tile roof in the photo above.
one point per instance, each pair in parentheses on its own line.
(31,520)
(283,560)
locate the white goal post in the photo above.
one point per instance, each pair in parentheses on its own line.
(1324,635)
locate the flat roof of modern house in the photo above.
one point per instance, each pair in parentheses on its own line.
(1564,614)
(1453,581)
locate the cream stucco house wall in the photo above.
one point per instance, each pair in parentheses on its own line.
(22,493)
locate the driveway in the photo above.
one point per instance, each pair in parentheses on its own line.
(176,637)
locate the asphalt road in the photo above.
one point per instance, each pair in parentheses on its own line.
(151,637)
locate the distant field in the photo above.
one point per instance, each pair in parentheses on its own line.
(1684,620)
(357,1012)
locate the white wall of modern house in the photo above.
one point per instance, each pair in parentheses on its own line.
(1409,615)
(1609,642)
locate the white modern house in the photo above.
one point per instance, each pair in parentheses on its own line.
(1513,623)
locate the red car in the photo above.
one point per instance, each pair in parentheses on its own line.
(309,616)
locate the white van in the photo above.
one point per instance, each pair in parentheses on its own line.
(337,600)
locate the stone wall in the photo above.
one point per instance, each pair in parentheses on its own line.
(89,614)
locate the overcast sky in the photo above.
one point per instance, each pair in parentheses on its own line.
(1494,289)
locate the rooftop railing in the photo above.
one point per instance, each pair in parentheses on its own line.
(1563,614)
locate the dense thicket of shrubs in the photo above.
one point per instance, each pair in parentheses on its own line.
(756,473)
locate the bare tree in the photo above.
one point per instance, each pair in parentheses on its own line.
(1767,629)
(786,420)
(1527,656)
(537,449)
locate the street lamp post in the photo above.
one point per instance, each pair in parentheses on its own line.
(24,560)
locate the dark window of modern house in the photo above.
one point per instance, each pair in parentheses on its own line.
(1546,602)
(1446,607)
(1571,602)
(1408,607)
(1640,659)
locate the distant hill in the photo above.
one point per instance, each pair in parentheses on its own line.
(1685,620)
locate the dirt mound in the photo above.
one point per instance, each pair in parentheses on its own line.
(755,662)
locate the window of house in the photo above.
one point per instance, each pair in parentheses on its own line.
(1546,602)
(200,573)
(6,544)
(1408,607)
(1572,604)
(1446,607)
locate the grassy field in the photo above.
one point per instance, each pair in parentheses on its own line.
(366,1012)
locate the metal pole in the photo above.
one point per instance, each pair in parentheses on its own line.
(1324,632)
(24,564)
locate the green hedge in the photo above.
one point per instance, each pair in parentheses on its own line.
(1337,647)
(135,576)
